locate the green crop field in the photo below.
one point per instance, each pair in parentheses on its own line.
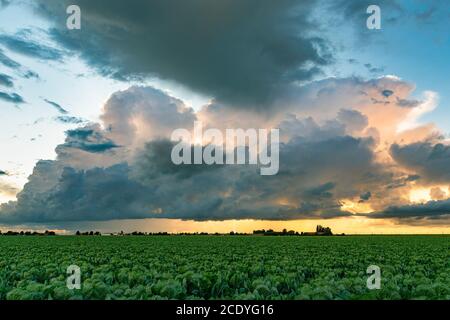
(225,267)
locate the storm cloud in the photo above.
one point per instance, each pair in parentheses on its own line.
(430,160)
(121,168)
(240,52)
(154,187)
(320,163)
(429,210)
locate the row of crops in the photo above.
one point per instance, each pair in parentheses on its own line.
(223,267)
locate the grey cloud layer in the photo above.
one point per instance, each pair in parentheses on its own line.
(241,52)
(429,210)
(125,171)
(154,187)
(431,161)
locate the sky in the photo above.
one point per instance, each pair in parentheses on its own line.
(87,115)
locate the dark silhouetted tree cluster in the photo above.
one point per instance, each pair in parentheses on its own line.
(88,233)
(28,233)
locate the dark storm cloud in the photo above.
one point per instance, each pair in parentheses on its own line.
(240,52)
(11,97)
(429,210)
(155,161)
(21,44)
(93,179)
(152,187)
(6,80)
(93,191)
(302,165)
(322,191)
(430,161)
(56,106)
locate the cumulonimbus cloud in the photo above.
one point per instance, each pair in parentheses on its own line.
(121,168)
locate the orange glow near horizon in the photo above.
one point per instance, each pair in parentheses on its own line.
(348,225)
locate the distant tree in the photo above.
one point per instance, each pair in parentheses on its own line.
(78,233)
